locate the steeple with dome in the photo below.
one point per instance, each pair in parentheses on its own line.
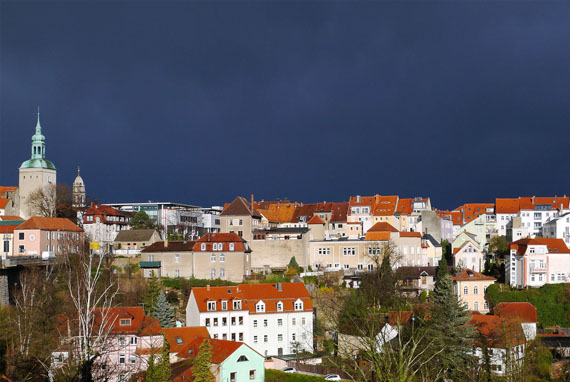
(38,159)
(78,190)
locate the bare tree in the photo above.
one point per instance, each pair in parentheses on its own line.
(42,201)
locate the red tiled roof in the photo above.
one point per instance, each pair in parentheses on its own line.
(315,220)
(224,238)
(221,349)
(178,338)
(470,275)
(251,294)
(507,206)
(101,209)
(8,228)
(240,207)
(410,234)
(172,246)
(11,217)
(473,210)
(529,202)
(377,236)
(7,189)
(405,206)
(3,202)
(553,245)
(383,227)
(385,205)
(362,200)
(498,332)
(525,311)
(49,224)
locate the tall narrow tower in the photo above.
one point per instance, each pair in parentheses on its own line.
(78,191)
(37,173)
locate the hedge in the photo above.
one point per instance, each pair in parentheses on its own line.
(279,376)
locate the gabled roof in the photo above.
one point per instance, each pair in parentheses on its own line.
(11,217)
(529,203)
(382,227)
(240,207)
(135,235)
(101,209)
(471,241)
(507,205)
(7,189)
(377,236)
(279,212)
(315,220)
(170,246)
(470,275)
(178,338)
(49,224)
(553,245)
(405,206)
(524,311)
(3,202)
(415,272)
(9,228)
(497,332)
(472,211)
(410,234)
(221,349)
(362,200)
(385,205)
(431,239)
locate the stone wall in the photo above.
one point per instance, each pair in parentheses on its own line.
(4,291)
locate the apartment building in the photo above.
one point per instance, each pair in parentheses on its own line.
(47,237)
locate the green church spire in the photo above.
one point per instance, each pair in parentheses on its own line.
(38,158)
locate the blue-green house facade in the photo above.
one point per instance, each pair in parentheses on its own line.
(244,364)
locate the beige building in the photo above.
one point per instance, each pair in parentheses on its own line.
(215,255)
(131,242)
(47,237)
(241,218)
(470,287)
(469,256)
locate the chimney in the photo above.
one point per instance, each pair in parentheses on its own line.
(208,287)
(252,204)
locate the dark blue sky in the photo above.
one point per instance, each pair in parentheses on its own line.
(200,102)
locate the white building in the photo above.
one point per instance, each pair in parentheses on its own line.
(536,211)
(273,319)
(102,224)
(535,262)
(558,228)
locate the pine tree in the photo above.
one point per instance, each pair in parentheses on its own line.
(150,369)
(153,290)
(163,365)
(447,327)
(163,312)
(202,362)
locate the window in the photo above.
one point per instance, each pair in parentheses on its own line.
(255,323)
(213,258)
(465,290)
(485,289)
(233,336)
(298,305)
(233,320)
(251,375)
(486,305)
(240,337)
(260,307)
(125,322)
(237,305)
(177,273)
(279,322)
(224,321)
(21,236)
(222,258)
(179,340)
(476,305)
(475,290)
(293,321)
(233,374)
(349,251)
(211,305)
(215,336)
(203,247)
(122,341)
(265,323)
(370,267)
(207,322)
(279,306)
(132,358)
(122,358)
(240,320)
(265,339)
(242,358)
(133,340)
(280,337)
(213,273)
(254,339)
(303,321)
(177,258)
(222,272)
(232,246)
(215,321)
(224,305)
(293,337)
(324,251)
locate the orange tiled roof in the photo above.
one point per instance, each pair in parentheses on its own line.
(251,294)
(178,338)
(221,349)
(11,217)
(410,234)
(377,236)
(362,200)
(315,220)
(49,224)
(497,331)
(524,311)
(507,205)
(8,228)
(7,189)
(101,209)
(385,205)
(473,210)
(470,275)
(529,203)
(224,238)
(383,227)
(3,202)
(279,212)
(552,245)
(240,207)
(405,206)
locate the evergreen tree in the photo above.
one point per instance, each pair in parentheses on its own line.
(150,369)
(141,221)
(163,365)
(202,363)
(153,290)
(293,265)
(163,312)
(447,327)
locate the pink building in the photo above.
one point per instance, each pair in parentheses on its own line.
(47,237)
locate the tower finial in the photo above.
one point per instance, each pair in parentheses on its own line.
(78,171)
(38,124)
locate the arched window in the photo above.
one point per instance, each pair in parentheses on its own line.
(465,290)
(279,306)
(475,290)
(486,305)
(476,305)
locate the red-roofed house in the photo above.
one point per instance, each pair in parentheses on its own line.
(535,262)
(102,224)
(468,255)
(47,237)
(7,234)
(523,312)
(470,287)
(274,319)
(127,335)
(535,211)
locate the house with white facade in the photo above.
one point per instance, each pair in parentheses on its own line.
(558,228)
(102,224)
(468,255)
(274,319)
(536,211)
(523,312)
(535,262)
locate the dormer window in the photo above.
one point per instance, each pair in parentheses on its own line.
(260,307)
(211,306)
(232,246)
(179,340)
(224,305)
(298,305)
(203,247)
(237,304)
(242,358)
(279,306)
(125,322)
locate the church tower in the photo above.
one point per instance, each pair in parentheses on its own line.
(36,173)
(78,191)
